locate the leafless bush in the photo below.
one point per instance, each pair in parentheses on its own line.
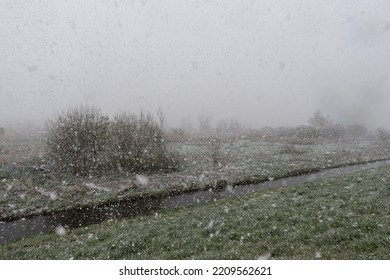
(326,127)
(215,149)
(177,135)
(356,131)
(382,135)
(76,140)
(288,148)
(138,143)
(123,140)
(204,123)
(2,132)
(215,145)
(84,142)
(162,118)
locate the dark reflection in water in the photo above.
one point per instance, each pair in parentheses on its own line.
(75,218)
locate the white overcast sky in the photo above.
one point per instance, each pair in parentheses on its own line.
(264,63)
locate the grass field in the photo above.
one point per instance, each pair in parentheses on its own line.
(347,217)
(26,188)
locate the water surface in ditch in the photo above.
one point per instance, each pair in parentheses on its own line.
(75,218)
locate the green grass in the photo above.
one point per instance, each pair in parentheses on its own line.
(25,191)
(347,217)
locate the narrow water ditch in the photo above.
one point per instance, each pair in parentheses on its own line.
(74,218)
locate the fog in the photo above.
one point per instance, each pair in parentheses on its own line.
(263,63)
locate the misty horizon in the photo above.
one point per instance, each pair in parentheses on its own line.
(262,63)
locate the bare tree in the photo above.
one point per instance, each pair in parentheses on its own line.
(162,119)
(215,147)
(204,122)
(318,120)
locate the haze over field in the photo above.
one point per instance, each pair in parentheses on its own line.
(264,63)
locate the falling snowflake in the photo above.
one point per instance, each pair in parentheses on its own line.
(60,231)
(211,223)
(266,256)
(142,180)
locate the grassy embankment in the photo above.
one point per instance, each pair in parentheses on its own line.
(27,190)
(347,217)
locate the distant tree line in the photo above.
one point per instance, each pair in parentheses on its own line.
(322,128)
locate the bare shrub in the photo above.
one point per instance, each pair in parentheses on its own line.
(82,141)
(307,132)
(215,149)
(318,120)
(326,128)
(215,145)
(138,143)
(382,135)
(122,140)
(231,129)
(356,131)
(76,140)
(177,135)
(288,148)
(2,132)
(204,123)
(162,118)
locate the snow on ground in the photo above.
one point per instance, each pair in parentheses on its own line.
(51,195)
(97,187)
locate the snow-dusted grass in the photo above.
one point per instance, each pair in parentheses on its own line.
(347,217)
(27,187)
